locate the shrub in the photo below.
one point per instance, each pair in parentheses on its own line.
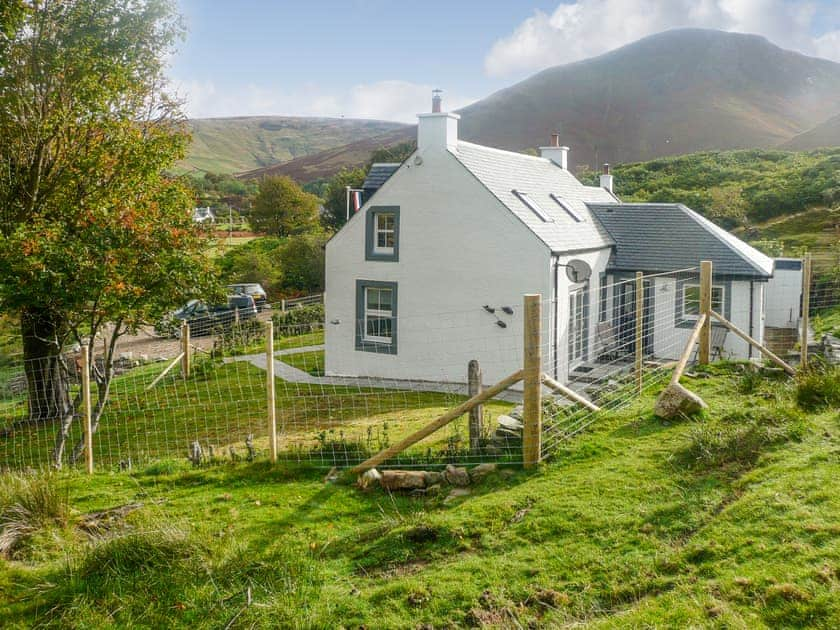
(299,320)
(818,387)
(29,504)
(739,438)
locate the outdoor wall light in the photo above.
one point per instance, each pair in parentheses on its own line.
(335,322)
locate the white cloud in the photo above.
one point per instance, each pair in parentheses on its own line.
(586,28)
(384,100)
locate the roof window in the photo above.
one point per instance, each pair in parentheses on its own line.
(532,206)
(569,210)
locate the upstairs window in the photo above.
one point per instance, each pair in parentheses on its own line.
(569,210)
(382,233)
(532,206)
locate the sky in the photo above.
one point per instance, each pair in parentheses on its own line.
(380,59)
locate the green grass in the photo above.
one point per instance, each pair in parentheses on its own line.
(621,530)
(309,362)
(300,341)
(827,321)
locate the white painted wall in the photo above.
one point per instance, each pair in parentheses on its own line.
(784,291)
(459,249)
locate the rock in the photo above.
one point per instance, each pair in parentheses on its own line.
(510,423)
(332,475)
(675,400)
(456,493)
(403,479)
(456,476)
(517,412)
(368,477)
(433,478)
(481,471)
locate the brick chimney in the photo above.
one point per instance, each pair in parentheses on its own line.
(606,178)
(554,152)
(439,129)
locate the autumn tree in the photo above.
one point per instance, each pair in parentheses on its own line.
(282,208)
(94,238)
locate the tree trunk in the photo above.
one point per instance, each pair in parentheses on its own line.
(49,398)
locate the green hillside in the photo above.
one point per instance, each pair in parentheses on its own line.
(233,145)
(725,521)
(735,188)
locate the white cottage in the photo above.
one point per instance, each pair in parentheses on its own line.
(459,230)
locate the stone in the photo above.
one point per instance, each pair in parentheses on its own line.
(510,423)
(481,471)
(456,476)
(456,493)
(675,400)
(432,478)
(517,412)
(403,479)
(368,477)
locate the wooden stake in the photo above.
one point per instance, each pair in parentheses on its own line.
(787,368)
(186,355)
(86,409)
(442,421)
(269,371)
(680,367)
(640,329)
(477,412)
(705,309)
(806,307)
(175,361)
(569,393)
(532,376)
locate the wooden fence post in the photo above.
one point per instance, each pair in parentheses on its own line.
(269,371)
(477,412)
(86,409)
(806,307)
(532,376)
(640,329)
(705,350)
(186,362)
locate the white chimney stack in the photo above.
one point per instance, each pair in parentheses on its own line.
(554,152)
(438,129)
(606,178)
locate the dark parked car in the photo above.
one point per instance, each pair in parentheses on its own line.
(253,289)
(204,319)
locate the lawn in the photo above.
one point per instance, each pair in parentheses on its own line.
(725,521)
(309,362)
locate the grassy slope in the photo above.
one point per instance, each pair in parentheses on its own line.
(229,145)
(619,531)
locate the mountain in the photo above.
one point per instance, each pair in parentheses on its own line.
(228,145)
(826,134)
(672,93)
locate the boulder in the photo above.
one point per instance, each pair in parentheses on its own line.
(509,423)
(456,476)
(481,471)
(675,400)
(368,477)
(456,493)
(403,479)
(517,412)
(432,477)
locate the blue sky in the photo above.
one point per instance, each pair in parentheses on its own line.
(381,58)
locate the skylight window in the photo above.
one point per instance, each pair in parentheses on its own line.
(532,206)
(569,210)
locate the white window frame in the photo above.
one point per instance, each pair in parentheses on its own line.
(377,230)
(715,287)
(379,313)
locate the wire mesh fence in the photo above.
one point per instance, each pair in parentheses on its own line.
(341,393)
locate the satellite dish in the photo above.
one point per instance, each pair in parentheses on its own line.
(578,271)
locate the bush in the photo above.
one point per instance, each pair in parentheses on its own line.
(739,438)
(299,320)
(29,504)
(818,387)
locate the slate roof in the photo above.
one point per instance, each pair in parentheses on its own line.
(502,172)
(378,175)
(655,237)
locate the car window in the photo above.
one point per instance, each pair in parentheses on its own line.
(240,301)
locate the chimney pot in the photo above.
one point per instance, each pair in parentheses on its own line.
(436,101)
(606,169)
(555,139)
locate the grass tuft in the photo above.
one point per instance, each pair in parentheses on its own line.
(818,387)
(29,504)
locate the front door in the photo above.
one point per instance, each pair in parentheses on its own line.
(578,326)
(626,317)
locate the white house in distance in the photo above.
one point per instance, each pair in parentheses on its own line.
(460,229)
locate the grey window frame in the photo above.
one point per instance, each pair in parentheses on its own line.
(568,209)
(681,320)
(366,345)
(533,206)
(370,234)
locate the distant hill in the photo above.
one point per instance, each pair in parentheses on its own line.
(230,145)
(826,134)
(669,94)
